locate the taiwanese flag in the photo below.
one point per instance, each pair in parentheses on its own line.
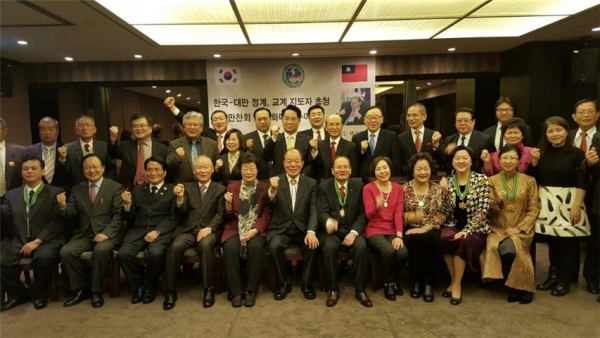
(354,73)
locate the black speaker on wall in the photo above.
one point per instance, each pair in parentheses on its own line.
(6,78)
(584,66)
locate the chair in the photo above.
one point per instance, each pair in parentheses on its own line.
(26,267)
(323,282)
(292,254)
(191,257)
(112,273)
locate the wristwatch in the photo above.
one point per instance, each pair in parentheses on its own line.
(37,241)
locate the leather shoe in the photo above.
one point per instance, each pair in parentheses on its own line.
(249,299)
(447,294)
(398,289)
(389,292)
(237,301)
(332,298)
(526,297)
(593,288)
(308,291)
(428,294)
(282,291)
(41,303)
(97,300)
(209,297)
(514,295)
(12,303)
(363,298)
(77,298)
(415,291)
(149,296)
(560,289)
(455,301)
(138,295)
(170,300)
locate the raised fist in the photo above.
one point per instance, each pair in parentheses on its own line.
(342,112)
(62,153)
(274,183)
(485,156)
(179,190)
(170,102)
(61,199)
(314,144)
(444,185)
(228,197)
(114,133)
(180,152)
(250,143)
(126,197)
(275,132)
(591,156)
(218,164)
(435,139)
(364,145)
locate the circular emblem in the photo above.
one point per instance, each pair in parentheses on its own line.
(227,75)
(293,75)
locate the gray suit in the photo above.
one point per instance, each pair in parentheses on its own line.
(184,171)
(75,154)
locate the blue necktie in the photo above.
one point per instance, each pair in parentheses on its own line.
(194,151)
(372,144)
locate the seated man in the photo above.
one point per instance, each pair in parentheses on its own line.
(201,206)
(151,216)
(37,233)
(342,219)
(97,203)
(293,199)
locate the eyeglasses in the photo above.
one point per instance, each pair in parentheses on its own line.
(504,110)
(463,121)
(585,112)
(139,126)
(373,118)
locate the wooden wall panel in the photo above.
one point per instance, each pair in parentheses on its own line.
(437,64)
(15,110)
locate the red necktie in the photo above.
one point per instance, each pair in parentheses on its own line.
(583,144)
(140,177)
(418,143)
(342,192)
(332,150)
(219,143)
(86,147)
(319,135)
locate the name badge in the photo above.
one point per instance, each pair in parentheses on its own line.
(11,163)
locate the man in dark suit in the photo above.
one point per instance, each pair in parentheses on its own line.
(467,136)
(293,199)
(201,206)
(48,150)
(417,138)
(335,146)
(375,142)
(98,204)
(256,140)
(85,127)
(151,216)
(505,110)
(278,144)
(353,110)
(342,224)
(38,234)
(11,156)
(184,151)
(585,114)
(133,153)
(316,117)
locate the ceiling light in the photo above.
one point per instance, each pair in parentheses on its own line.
(187,98)
(395,30)
(295,54)
(196,34)
(429,83)
(217,55)
(373,52)
(137,56)
(179,95)
(284,33)
(22,42)
(417,87)
(451,49)
(575,51)
(497,27)
(168,91)
(198,101)
(389,83)
(381,89)
(154,87)
(68,58)
(596,29)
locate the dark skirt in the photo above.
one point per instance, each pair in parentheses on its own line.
(469,248)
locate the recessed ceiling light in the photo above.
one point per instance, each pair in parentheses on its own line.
(68,58)
(198,101)
(138,56)
(575,51)
(429,83)
(389,83)
(168,91)
(217,55)
(596,29)
(22,42)
(451,49)
(373,52)
(295,54)
(179,95)
(418,87)
(188,98)
(154,87)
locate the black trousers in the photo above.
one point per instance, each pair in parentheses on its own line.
(44,263)
(206,251)
(423,255)
(591,264)
(392,261)
(278,244)
(231,251)
(70,255)
(332,246)
(154,255)
(564,255)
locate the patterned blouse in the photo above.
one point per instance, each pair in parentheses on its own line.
(478,204)
(433,207)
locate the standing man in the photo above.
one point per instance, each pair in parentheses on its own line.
(151,216)
(505,110)
(293,199)
(133,153)
(98,205)
(183,151)
(48,150)
(342,224)
(334,147)
(316,117)
(417,138)
(256,140)
(201,205)
(38,234)
(11,157)
(375,142)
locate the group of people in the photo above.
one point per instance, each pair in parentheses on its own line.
(216,187)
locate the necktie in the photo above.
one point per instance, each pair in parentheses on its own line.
(462,140)
(49,161)
(372,144)
(31,194)
(203,190)
(194,151)
(290,142)
(293,193)
(418,142)
(264,139)
(93,193)
(319,135)
(2,175)
(86,148)
(583,144)
(332,150)
(154,189)
(140,176)
(342,192)
(220,143)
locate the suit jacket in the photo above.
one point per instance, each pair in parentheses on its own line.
(184,171)
(408,150)
(329,206)
(208,132)
(257,150)
(478,205)
(231,216)
(362,110)
(274,151)
(73,167)
(527,138)
(323,163)
(303,215)
(387,145)
(60,178)
(592,196)
(148,213)
(309,133)
(12,167)
(224,175)
(45,222)
(477,142)
(104,216)
(127,152)
(199,212)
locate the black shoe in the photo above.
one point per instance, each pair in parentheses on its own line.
(138,295)
(308,291)
(415,291)
(97,300)
(560,289)
(78,297)
(398,289)
(389,292)
(447,294)
(455,301)
(593,288)
(249,299)
(209,297)
(550,282)
(149,296)
(12,303)
(237,301)
(40,303)
(526,297)
(283,290)
(363,298)
(332,298)
(428,294)
(170,300)
(514,295)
